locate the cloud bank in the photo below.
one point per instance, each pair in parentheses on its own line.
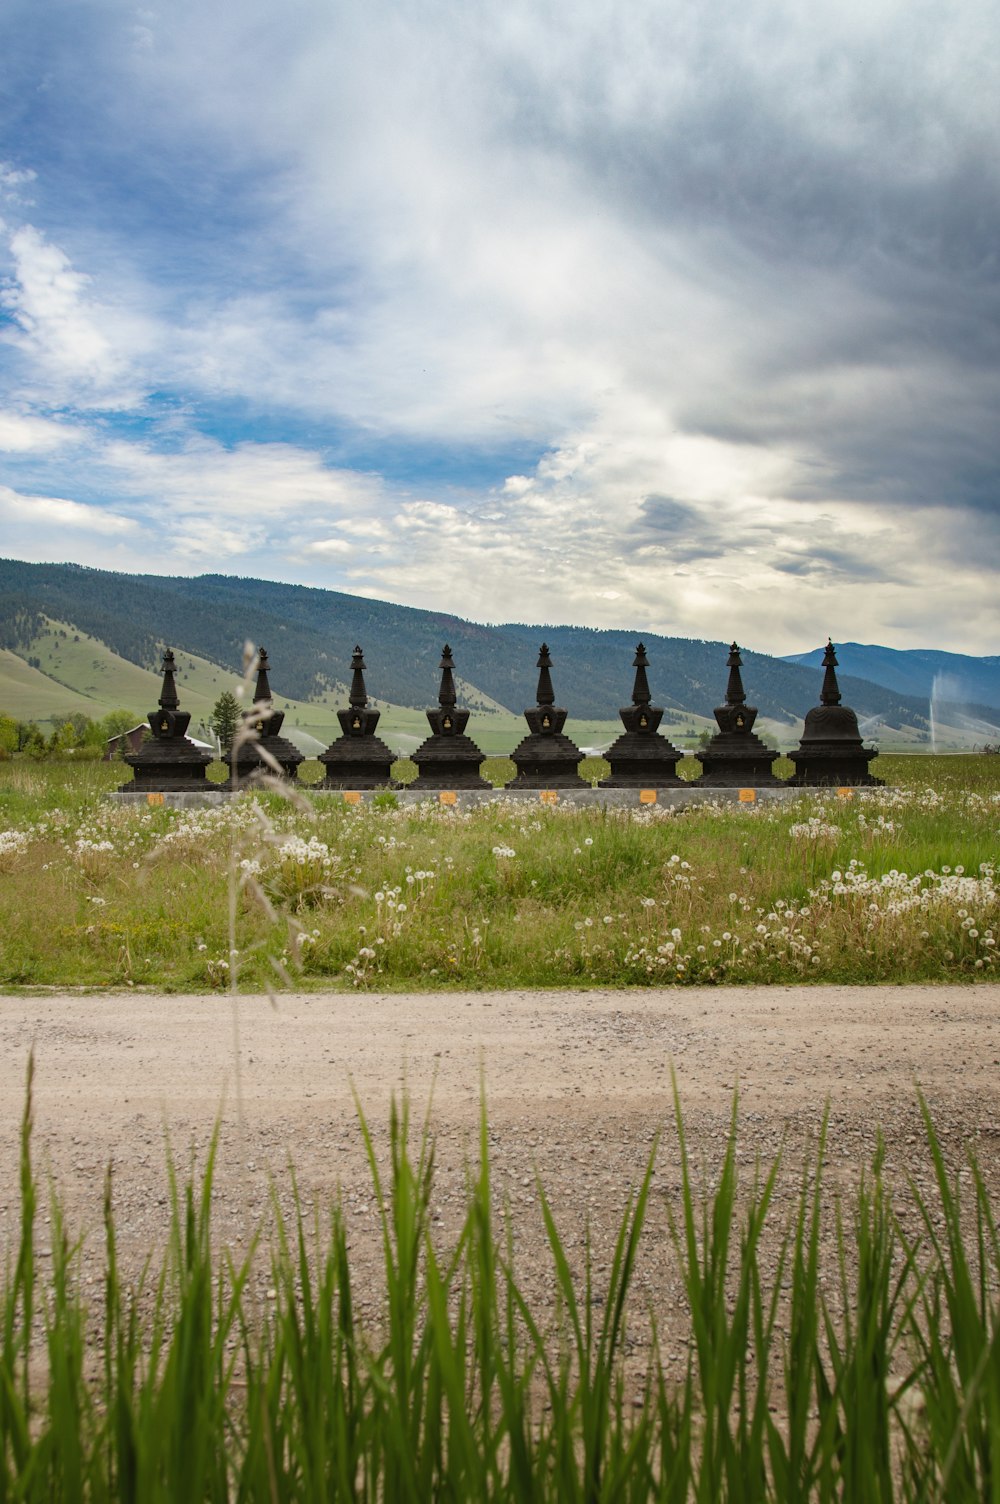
(679,318)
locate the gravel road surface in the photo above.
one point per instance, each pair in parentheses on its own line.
(577,1085)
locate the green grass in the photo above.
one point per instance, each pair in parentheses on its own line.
(458,1389)
(80,673)
(887,886)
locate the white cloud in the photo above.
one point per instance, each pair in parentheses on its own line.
(23,434)
(261,483)
(77,348)
(48,303)
(41,513)
(324,548)
(588,540)
(13,178)
(729,271)
(199,539)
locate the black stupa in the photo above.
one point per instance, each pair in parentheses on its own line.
(358,759)
(831,750)
(168,762)
(641,758)
(736,757)
(448,759)
(546,759)
(259,739)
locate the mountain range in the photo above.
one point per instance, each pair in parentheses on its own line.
(310,634)
(949,677)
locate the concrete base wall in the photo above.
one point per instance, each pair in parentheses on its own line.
(669,798)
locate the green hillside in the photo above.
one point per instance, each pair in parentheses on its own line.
(112,628)
(71,672)
(78,674)
(28,694)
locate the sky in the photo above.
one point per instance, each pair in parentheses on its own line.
(673,316)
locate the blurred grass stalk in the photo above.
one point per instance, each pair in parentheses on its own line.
(458,1390)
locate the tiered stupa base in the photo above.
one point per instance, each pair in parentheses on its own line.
(547,762)
(357,762)
(449,762)
(833,764)
(639,761)
(250,763)
(167,766)
(737,761)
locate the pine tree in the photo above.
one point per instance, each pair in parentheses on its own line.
(225,718)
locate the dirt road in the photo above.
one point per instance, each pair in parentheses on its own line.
(576,1084)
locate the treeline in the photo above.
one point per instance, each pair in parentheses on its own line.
(19,624)
(78,734)
(310,635)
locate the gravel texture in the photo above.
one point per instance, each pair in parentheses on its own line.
(577,1086)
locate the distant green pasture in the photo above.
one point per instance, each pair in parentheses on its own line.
(894,885)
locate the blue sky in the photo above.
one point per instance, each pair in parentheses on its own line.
(669,316)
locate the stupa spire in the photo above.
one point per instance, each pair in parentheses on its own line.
(546,694)
(447,698)
(168,692)
(830,693)
(262,694)
(358,697)
(640,689)
(735,693)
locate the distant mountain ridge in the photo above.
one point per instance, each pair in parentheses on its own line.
(954,677)
(310,633)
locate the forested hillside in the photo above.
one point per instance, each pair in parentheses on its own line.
(310,634)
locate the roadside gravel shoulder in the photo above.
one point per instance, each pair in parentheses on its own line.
(576,1084)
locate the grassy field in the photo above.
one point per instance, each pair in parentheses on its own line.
(894,885)
(869,1375)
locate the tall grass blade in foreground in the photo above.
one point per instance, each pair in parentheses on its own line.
(596,1457)
(16,1312)
(795,1457)
(457,1389)
(856,1408)
(954,1453)
(732,1333)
